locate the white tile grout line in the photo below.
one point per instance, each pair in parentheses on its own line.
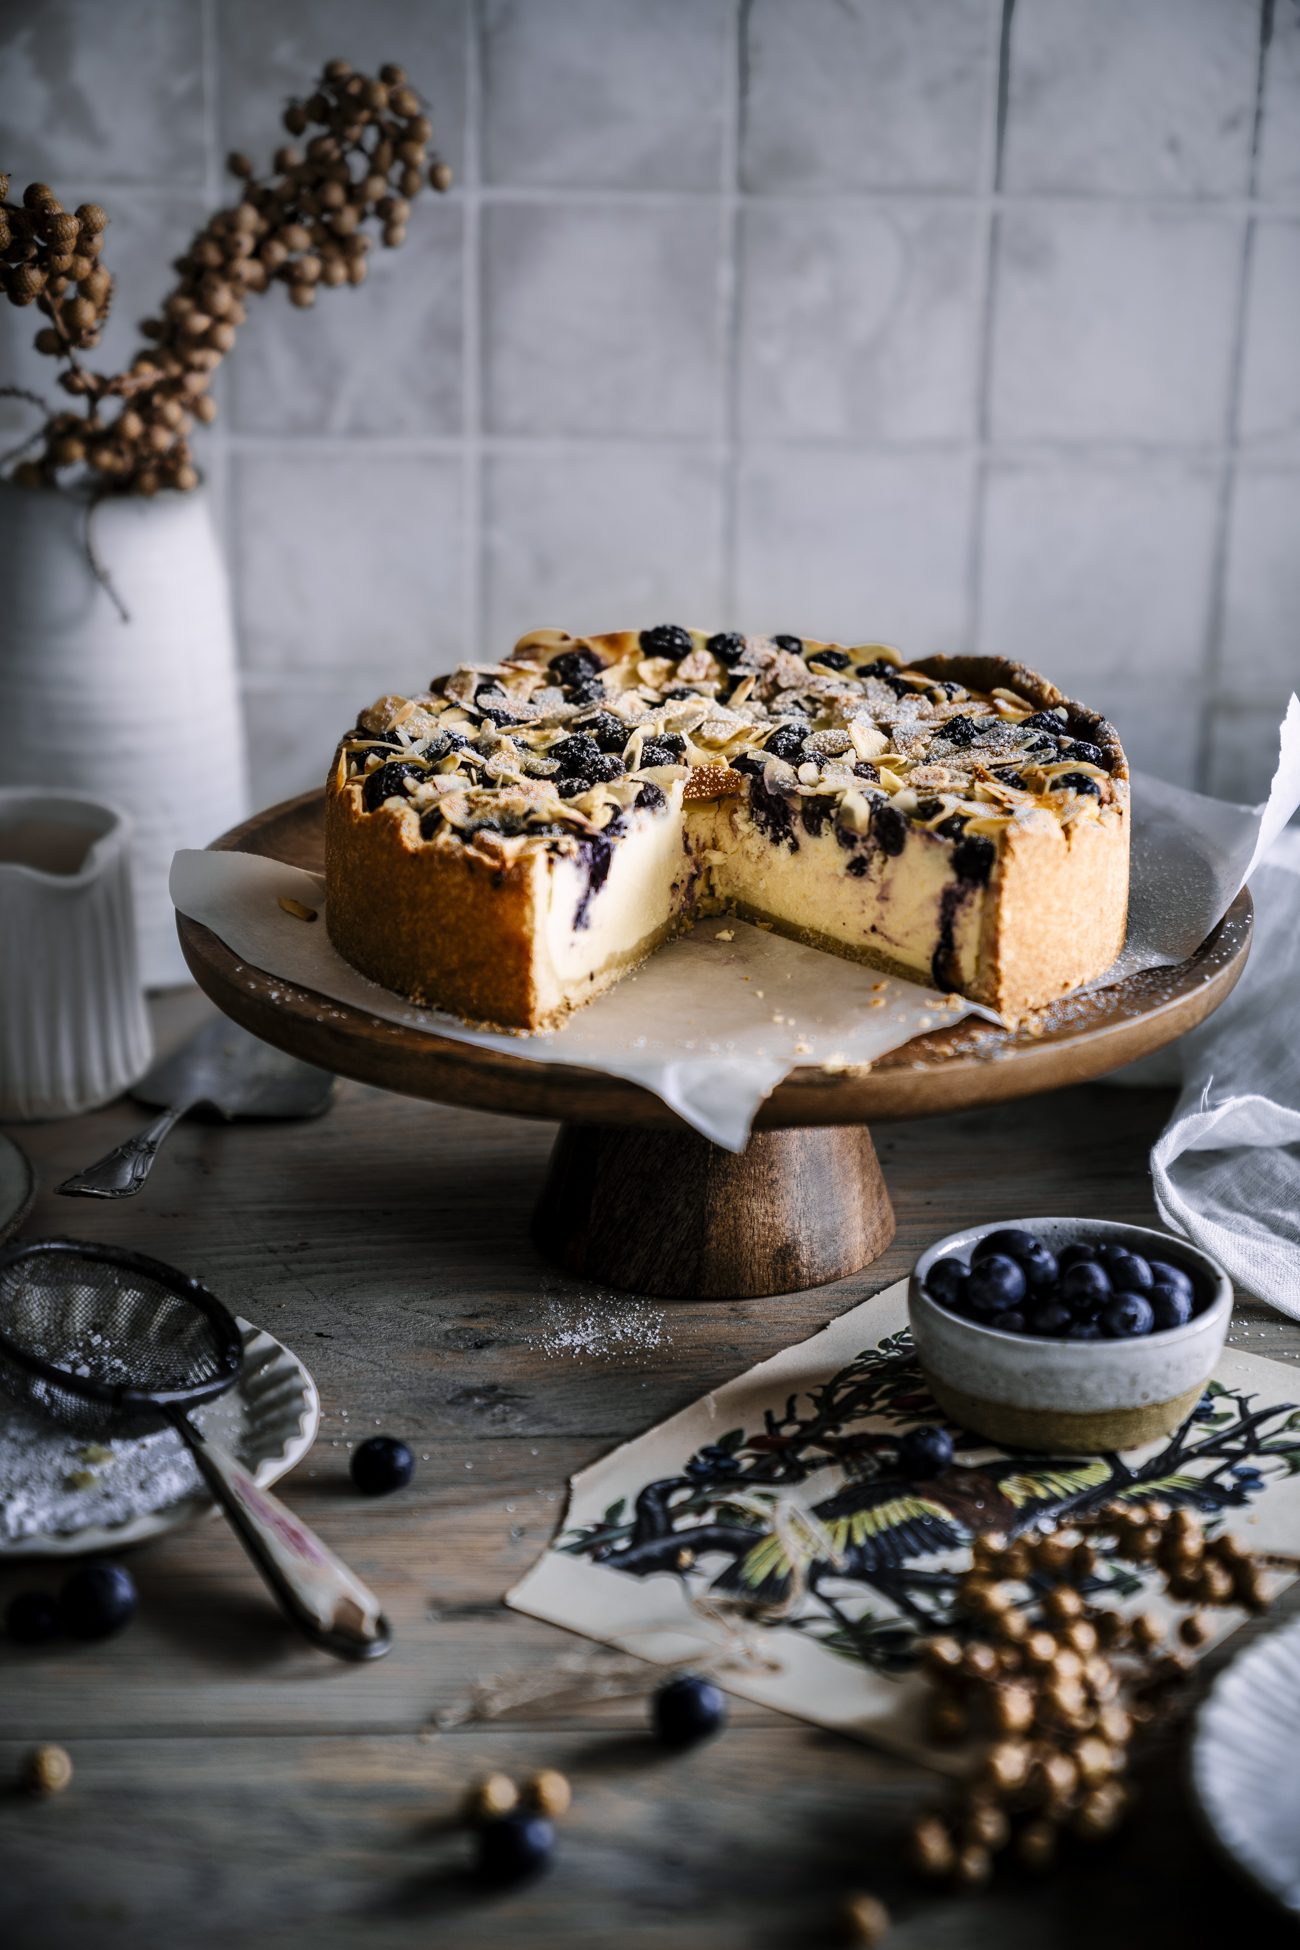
(473,538)
(733,109)
(1216,605)
(1021,451)
(1135,203)
(997,58)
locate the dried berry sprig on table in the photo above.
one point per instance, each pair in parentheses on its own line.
(1053,1682)
(366,157)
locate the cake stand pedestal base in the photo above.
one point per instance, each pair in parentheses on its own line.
(665,1212)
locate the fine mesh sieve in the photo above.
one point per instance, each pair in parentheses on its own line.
(108,1342)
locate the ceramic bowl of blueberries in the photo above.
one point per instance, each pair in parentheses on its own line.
(1078,1335)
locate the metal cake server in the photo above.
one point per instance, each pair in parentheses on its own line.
(222,1069)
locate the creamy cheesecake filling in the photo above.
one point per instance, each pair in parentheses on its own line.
(598,915)
(844,891)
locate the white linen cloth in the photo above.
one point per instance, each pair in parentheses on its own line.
(1226,1168)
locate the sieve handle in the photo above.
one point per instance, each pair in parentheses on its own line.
(121,1174)
(326,1601)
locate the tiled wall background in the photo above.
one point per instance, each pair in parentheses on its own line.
(952,322)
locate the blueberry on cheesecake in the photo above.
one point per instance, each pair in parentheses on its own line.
(507,843)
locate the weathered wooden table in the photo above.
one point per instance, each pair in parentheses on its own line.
(232,1786)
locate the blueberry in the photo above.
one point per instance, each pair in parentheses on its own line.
(1083,1330)
(1170,1306)
(1040,1270)
(381,1464)
(570,784)
(1076,782)
(1163,1274)
(681,691)
(927,808)
(864,769)
(1009,776)
(653,753)
(672,742)
(512,1847)
(833,659)
(1044,721)
(1127,1270)
(1085,1284)
(952,827)
(1126,1316)
(32,1618)
(1050,1319)
(1010,1241)
(97,1600)
(573,666)
(650,798)
(668,640)
(1086,754)
(494,704)
(609,732)
(786,742)
(688,1709)
(946,1282)
(794,644)
(577,753)
(924,1451)
(605,767)
(1010,1322)
(587,690)
(727,646)
(972,860)
(888,828)
(995,1284)
(1075,1255)
(960,731)
(388,783)
(429,823)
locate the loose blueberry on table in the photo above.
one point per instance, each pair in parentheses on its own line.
(514,1846)
(97,1600)
(382,1464)
(1086,1291)
(688,1709)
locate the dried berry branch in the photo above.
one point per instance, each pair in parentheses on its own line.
(301,226)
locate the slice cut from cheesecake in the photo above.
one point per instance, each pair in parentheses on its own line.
(507,844)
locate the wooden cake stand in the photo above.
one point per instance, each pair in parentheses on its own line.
(634,1197)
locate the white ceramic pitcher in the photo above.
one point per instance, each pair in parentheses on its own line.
(73,1028)
(143,714)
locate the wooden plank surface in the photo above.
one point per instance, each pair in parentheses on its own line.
(230,1782)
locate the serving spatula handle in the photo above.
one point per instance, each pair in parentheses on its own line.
(122,1173)
(326,1601)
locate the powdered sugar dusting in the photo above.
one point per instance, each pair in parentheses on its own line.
(599,1325)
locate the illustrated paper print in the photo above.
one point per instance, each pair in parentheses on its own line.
(779,1499)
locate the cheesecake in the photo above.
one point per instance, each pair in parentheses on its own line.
(508,843)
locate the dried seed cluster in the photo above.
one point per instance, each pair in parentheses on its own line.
(366,156)
(1054,1681)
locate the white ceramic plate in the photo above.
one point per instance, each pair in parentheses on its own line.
(1246,1763)
(269,1420)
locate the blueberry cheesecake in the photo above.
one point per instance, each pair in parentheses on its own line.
(508,843)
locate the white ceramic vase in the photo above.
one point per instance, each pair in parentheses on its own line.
(142,713)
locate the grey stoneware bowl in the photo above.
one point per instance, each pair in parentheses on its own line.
(1078,1397)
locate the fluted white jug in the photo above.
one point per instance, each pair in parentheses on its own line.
(74,1031)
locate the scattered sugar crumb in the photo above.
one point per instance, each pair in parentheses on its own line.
(725,934)
(600,1325)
